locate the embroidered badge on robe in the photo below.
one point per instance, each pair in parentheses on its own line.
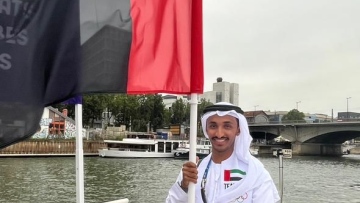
(230,176)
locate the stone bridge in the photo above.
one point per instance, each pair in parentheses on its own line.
(309,138)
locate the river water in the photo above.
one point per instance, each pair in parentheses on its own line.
(33,180)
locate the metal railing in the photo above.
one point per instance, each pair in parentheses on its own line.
(304,121)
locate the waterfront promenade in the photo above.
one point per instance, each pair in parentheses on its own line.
(45,148)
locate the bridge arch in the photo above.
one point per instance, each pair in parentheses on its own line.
(311,138)
(337,137)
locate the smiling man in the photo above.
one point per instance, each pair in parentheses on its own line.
(230,173)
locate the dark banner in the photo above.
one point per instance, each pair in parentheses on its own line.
(39,62)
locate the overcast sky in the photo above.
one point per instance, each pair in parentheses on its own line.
(282,52)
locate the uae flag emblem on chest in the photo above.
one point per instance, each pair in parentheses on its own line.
(233,175)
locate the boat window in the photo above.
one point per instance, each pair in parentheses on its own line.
(168,147)
(160,147)
(176,145)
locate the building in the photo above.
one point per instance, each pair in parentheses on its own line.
(105,55)
(256,117)
(317,118)
(223,92)
(168,100)
(55,124)
(348,116)
(275,116)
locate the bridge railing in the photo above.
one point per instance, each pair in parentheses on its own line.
(277,122)
(303,121)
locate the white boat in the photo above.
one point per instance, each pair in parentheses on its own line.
(140,148)
(254,151)
(203,148)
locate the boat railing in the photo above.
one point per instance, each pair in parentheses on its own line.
(129,149)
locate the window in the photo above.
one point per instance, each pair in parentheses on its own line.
(218,97)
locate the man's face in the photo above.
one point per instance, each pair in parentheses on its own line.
(222,131)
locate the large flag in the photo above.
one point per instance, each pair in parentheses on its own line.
(51,51)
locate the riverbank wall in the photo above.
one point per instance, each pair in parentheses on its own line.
(50,148)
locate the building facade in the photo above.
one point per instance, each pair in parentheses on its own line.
(223,92)
(55,124)
(348,116)
(168,100)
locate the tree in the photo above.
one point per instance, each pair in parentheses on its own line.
(117,107)
(178,109)
(294,116)
(131,110)
(157,114)
(93,107)
(203,104)
(152,110)
(167,117)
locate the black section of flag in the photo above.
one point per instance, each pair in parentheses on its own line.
(106,36)
(105,61)
(39,62)
(235,178)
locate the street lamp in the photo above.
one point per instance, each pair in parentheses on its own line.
(347,108)
(254,112)
(297,104)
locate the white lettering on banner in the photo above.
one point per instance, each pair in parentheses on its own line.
(5,63)
(9,34)
(12,7)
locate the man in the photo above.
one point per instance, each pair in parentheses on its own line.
(230,173)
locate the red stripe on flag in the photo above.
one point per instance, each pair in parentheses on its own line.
(226,175)
(197,54)
(166,54)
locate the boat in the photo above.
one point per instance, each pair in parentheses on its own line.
(140,148)
(203,148)
(254,151)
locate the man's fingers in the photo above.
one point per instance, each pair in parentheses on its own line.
(189,164)
(190,168)
(189,173)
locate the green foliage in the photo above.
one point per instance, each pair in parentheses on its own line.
(93,108)
(137,110)
(294,116)
(178,109)
(167,117)
(203,104)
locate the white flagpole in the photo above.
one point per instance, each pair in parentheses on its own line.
(80,197)
(193,140)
